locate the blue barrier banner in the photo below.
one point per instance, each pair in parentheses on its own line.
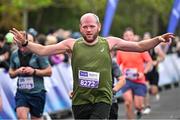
(110,10)
(58,87)
(174,18)
(8,88)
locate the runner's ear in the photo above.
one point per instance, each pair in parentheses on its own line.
(99,25)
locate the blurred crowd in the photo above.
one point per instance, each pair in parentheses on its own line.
(52,37)
(172,47)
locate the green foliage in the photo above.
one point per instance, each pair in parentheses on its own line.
(65,14)
(31,4)
(11,11)
(141,15)
(9,16)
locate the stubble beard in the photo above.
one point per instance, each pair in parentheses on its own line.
(90,40)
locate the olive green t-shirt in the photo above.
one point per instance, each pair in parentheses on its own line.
(91,65)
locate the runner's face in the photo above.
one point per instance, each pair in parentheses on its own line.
(25,49)
(89,28)
(128,35)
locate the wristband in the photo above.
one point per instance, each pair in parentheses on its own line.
(25,44)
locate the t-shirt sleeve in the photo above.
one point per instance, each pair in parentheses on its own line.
(118,58)
(43,61)
(12,63)
(146,56)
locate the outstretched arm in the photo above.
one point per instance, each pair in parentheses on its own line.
(144,45)
(62,47)
(59,48)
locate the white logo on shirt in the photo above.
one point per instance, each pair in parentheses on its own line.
(102,49)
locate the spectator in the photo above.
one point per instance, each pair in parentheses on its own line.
(4,53)
(53,59)
(152,76)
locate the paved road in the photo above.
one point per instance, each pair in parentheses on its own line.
(168,107)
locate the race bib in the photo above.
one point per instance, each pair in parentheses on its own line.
(131,74)
(26,83)
(88,79)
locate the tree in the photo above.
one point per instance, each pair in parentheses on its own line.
(9,16)
(14,13)
(142,16)
(65,14)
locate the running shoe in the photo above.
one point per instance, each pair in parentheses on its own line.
(138,115)
(147,110)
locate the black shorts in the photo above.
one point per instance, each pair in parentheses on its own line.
(35,102)
(114,111)
(91,111)
(153,77)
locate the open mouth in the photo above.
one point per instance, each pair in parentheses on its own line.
(89,35)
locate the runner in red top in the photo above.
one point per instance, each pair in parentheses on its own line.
(134,65)
(135,61)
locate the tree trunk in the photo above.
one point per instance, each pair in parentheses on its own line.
(25,19)
(155,24)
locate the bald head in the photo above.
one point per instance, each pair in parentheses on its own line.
(89,15)
(89,27)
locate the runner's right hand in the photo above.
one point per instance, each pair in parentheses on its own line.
(19,36)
